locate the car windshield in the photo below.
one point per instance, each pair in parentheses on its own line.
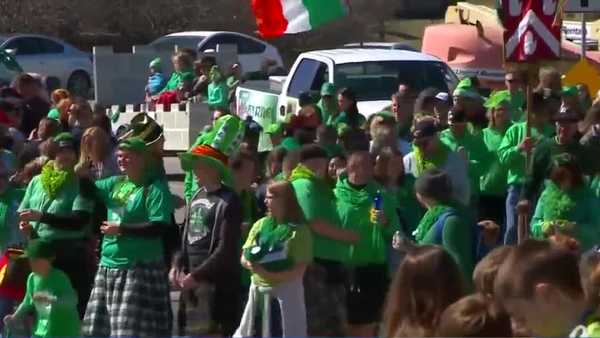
(374,81)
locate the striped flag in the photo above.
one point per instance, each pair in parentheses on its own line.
(277,17)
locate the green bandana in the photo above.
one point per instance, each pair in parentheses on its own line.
(53,179)
(436,161)
(123,190)
(271,238)
(428,220)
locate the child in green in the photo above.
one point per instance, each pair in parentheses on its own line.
(277,252)
(49,295)
(218,91)
(183,76)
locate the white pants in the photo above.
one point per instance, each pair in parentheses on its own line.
(293,310)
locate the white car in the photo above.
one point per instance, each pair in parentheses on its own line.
(251,51)
(51,57)
(382,45)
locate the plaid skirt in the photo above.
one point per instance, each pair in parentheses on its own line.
(132,302)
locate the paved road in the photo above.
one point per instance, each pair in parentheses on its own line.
(175,175)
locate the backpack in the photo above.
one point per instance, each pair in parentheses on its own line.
(478,247)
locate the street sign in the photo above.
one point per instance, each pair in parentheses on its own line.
(530,33)
(582,6)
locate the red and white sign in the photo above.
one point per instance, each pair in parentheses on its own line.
(530,34)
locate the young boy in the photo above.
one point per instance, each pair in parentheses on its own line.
(156,80)
(49,294)
(539,285)
(209,263)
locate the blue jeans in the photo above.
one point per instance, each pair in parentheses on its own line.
(512,199)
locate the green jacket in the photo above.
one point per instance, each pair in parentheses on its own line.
(474,145)
(57,318)
(317,201)
(509,154)
(354,205)
(353,122)
(325,113)
(493,181)
(177,78)
(579,206)
(409,209)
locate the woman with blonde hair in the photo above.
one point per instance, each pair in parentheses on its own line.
(277,252)
(97,157)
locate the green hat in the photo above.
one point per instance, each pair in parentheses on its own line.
(466,89)
(387,115)
(219,144)
(156,64)
(135,144)
(569,91)
(65,140)
(39,248)
(144,127)
(497,98)
(274,128)
(328,89)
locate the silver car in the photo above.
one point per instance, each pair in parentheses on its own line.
(52,57)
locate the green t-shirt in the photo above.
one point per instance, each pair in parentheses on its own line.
(218,95)
(318,203)
(298,247)
(354,205)
(472,142)
(58,318)
(67,200)
(493,182)
(509,154)
(130,204)
(326,114)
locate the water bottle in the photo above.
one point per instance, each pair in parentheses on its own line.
(378,201)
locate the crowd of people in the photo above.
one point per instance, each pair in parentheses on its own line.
(446,214)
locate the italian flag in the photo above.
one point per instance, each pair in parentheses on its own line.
(277,17)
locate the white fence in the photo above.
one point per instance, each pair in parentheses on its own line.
(181,124)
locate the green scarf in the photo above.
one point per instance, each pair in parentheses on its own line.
(436,161)
(53,179)
(558,204)
(301,171)
(428,220)
(123,190)
(272,234)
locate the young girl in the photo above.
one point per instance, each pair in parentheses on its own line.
(218,92)
(427,281)
(97,158)
(277,251)
(49,294)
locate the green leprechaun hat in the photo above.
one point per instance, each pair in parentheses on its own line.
(222,141)
(145,128)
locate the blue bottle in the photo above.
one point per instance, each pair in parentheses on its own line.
(378,201)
